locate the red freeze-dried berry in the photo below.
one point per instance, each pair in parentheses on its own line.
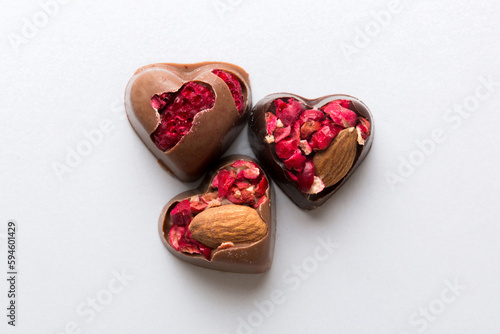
(234,86)
(197,205)
(323,137)
(181,240)
(296,161)
(295,134)
(260,201)
(288,112)
(244,163)
(240,196)
(291,176)
(308,128)
(339,114)
(261,188)
(281,133)
(364,127)
(305,179)
(312,115)
(271,121)
(286,148)
(181,213)
(223,181)
(177,110)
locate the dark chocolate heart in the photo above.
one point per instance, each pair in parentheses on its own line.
(188,115)
(227,223)
(287,147)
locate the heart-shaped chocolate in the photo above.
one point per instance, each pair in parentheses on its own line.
(227,223)
(188,115)
(310,147)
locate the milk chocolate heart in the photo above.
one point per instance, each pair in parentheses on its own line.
(227,223)
(188,115)
(310,147)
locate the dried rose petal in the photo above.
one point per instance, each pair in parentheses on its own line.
(340,115)
(181,213)
(281,133)
(309,128)
(271,120)
(234,86)
(312,115)
(177,110)
(288,112)
(286,148)
(305,179)
(296,161)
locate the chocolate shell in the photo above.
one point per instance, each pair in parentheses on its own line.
(266,153)
(253,257)
(212,131)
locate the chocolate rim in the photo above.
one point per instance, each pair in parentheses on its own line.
(189,158)
(265,152)
(255,257)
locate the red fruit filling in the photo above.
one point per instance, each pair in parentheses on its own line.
(299,133)
(339,114)
(177,111)
(288,112)
(234,86)
(243,184)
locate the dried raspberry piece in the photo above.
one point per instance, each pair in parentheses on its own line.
(244,163)
(309,128)
(281,133)
(261,188)
(260,201)
(288,112)
(324,136)
(181,213)
(242,185)
(339,114)
(296,161)
(251,173)
(177,110)
(305,179)
(295,134)
(271,121)
(225,180)
(234,86)
(197,205)
(291,176)
(364,127)
(286,148)
(312,115)
(181,240)
(241,196)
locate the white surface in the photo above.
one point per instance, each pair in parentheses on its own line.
(397,245)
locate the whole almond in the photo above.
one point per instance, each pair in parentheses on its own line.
(332,164)
(228,223)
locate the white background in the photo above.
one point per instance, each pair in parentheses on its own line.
(403,234)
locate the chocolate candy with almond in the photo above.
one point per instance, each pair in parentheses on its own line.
(310,147)
(228,223)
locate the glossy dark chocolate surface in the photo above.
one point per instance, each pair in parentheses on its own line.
(266,154)
(256,257)
(212,131)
